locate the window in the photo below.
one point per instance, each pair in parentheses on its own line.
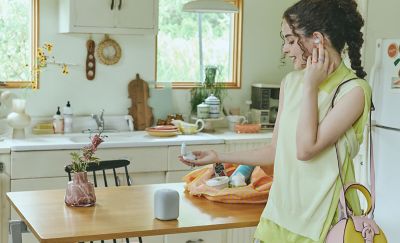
(18,43)
(189,42)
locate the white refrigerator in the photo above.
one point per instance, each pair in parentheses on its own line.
(385,83)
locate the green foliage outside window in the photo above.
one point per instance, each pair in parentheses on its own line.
(178,44)
(15,42)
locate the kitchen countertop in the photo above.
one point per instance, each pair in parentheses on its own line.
(4,147)
(125,139)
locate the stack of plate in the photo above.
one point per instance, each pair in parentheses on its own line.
(162,131)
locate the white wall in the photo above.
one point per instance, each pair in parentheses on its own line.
(261,63)
(382,22)
(108,90)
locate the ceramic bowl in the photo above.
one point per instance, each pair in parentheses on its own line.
(162,131)
(247,128)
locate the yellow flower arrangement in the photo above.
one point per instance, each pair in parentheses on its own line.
(44,58)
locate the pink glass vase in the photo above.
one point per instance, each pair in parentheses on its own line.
(80,191)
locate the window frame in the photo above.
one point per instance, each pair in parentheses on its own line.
(34,84)
(236,57)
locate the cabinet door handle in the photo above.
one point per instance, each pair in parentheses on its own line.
(120,4)
(112,4)
(1,167)
(195,241)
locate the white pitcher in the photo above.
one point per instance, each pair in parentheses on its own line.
(189,128)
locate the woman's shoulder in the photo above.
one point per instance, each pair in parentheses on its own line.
(357,82)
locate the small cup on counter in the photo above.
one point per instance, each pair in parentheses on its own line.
(234,120)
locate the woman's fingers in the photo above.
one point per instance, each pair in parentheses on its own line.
(185,161)
(327,61)
(308,61)
(197,153)
(314,55)
(321,54)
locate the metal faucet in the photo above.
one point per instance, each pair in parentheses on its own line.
(99,120)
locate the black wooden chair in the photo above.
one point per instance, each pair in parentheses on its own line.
(100,168)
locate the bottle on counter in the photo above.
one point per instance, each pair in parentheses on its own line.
(248,112)
(67,113)
(58,122)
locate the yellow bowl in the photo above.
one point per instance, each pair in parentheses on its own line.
(163,133)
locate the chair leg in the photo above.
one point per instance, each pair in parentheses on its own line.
(16,228)
(140,240)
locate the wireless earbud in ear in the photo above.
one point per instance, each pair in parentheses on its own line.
(317,40)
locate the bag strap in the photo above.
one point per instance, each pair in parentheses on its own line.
(342,198)
(372,161)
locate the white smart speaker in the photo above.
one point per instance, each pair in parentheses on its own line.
(166,204)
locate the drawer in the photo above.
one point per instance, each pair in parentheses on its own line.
(36,164)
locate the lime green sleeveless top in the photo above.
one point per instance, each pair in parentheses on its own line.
(304,196)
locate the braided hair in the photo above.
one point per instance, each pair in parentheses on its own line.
(339,20)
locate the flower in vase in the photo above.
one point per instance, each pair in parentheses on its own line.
(80,160)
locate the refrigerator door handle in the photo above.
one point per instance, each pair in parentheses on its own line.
(388,128)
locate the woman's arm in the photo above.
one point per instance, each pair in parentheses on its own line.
(312,137)
(262,156)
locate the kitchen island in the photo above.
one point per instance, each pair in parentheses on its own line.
(37,163)
(132,211)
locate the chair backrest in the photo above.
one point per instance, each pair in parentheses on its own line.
(102,166)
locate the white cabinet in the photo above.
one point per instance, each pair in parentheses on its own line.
(4,187)
(108,16)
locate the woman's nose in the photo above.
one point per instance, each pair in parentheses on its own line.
(285,49)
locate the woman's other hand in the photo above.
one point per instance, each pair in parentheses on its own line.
(319,66)
(202,158)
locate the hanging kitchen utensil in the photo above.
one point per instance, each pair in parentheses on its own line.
(90,60)
(108,51)
(142,114)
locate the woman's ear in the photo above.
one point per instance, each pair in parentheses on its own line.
(318,38)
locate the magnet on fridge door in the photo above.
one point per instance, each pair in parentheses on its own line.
(393,50)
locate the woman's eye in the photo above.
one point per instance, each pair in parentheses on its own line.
(291,42)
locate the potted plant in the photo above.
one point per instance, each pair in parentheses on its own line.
(80,192)
(209,86)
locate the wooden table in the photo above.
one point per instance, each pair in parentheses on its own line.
(122,212)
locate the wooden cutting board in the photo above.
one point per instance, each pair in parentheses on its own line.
(142,113)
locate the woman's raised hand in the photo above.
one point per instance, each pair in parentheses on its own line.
(202,158)
(319,66)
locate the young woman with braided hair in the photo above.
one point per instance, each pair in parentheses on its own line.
(303,201)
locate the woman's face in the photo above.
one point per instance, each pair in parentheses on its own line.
(292,49)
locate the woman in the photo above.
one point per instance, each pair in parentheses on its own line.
(303,201)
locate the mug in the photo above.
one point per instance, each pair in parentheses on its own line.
(235,119)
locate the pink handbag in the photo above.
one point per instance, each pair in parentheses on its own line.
(352,228)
